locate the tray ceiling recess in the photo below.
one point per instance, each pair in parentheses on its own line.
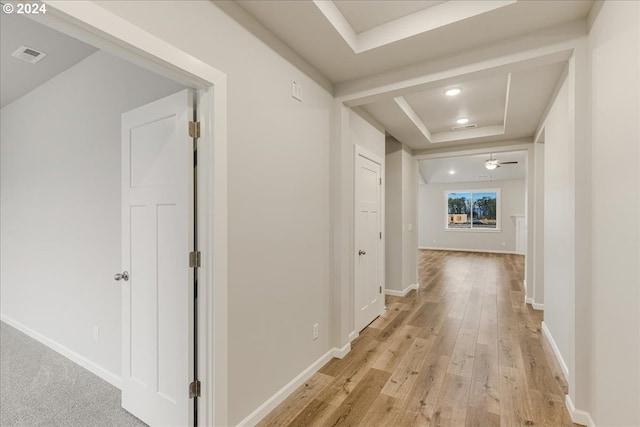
(461,123)
(422,18)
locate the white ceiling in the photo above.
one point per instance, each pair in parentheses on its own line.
(484,101)
(378,12)
(358,44)
(18,77)
(427,33)
(471,168)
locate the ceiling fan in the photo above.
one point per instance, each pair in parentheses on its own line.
(492,163)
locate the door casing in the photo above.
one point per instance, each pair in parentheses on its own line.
(96,26)
(363,152)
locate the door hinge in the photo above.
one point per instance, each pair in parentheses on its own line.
(194,389)
(380,289)
(381,235)
(194,129)
(194,259)
(380,181)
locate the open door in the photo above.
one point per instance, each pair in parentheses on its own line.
(158,278)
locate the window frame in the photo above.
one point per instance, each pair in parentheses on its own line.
(471,229)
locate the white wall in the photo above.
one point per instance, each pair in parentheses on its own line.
(366,135)
(60,218)
(431,219)
(401,229)
(409,215)
(538,224)
(614,57)
(279,201)
(393,225)
(559,225)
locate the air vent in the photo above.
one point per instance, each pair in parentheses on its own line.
(463,127)
(28,54)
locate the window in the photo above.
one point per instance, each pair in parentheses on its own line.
(475,210)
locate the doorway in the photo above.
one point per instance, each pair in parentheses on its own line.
(159,286)
(369,257)
(104,29)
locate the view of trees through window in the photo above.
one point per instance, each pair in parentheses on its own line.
(472,209)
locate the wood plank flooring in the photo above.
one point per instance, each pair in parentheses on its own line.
(463,350)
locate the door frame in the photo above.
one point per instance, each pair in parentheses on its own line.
(361,151)
(96,26)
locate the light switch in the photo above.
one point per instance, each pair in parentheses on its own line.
(296,90)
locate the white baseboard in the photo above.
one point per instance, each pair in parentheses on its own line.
(339,353)
(353,335)
(403,292)
(578,416)
(537,306)
(263,410)
(528,300)
(487,251)
(556,350)
(92,367)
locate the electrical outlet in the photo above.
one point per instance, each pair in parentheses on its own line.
(96,334)
(316,331)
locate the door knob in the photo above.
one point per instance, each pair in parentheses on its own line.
(361,252)
(121,276)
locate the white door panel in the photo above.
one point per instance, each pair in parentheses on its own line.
(369,256)
(157,236)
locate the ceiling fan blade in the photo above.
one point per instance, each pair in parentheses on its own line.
(508,163)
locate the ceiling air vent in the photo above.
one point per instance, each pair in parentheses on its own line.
(463,127)
(28,54)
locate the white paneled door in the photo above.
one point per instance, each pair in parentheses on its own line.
(369,299)
(157,236)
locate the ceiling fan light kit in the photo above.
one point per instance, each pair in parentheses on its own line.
(492,163)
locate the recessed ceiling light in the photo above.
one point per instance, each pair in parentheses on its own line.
(462,120)
(453,91)
(452,172)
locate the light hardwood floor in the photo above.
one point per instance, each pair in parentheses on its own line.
(463,350)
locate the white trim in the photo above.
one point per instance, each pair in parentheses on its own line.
(556,350)
(99,27)
(270,404)
(407,26)
(403,292)
(528,300)
(353,335)
(359,151)
(78,359)
(488,251)
(578,416)
(524,284)
(536,306)
(497,149)
(339,353)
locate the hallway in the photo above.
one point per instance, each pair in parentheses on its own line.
(463,350)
